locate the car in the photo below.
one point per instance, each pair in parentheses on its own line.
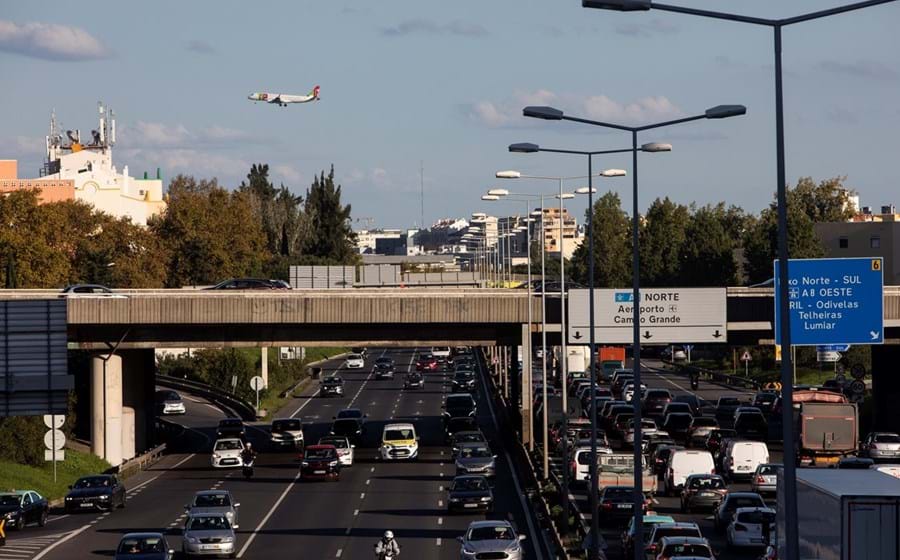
(649,521)
(399,442)
(764,479)
(427,362)
(491,539)
(881,446)
(383,371)
(441,353)
(683,463)
(663,530)
(414,380)
(361,350)
(332,387)
(648,427)
(219,502)
(463,381)
(621,423)
(286,433)
(475,458)
(659,457)
(693,401)
(386,362)
(354,413)
(208,535)
(230,428)
(683,548)
(459,404)
(251,284)
(320,462)
(470,493)
(355,361)
(715,439)
(169,402)
(597,401)
(765,401)
(350,428)
(343,446)
(701,426)
(855,463)
(616,505)
(95,492)
(226,453)
(580,465)
(678,425)
(89,291)
(459,424)
(143,546)
(751,526)
(702,491)
(741,457)
(723,514)
(628,391)
(677,406)
(465,436)
(655,401)
(618,381)
(21,507)
(725,408)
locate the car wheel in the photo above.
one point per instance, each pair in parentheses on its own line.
(42,520)
(20,522)
(683,508)
(122,503)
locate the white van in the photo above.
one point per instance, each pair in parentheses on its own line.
(581,462)
(399,442)
(683,463)
(742,457)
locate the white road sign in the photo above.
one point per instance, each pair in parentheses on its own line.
(668,316)
(745,357)
(257,383)
(54,439)
(54,420)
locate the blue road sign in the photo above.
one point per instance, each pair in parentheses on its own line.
(833,301)
(832,347)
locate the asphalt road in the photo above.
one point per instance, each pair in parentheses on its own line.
(281,515)
(654,376)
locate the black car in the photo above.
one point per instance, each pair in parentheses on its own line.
(467,436)
(460,424)
(692,401)
(725,408)
(351,428)
(97,491)
(23,507)
(383,370)
(751,425)
(678,424)
(463,381)
(616,505)
(470,493)
(655,400)
(351,413)
(230,427)
(251,284)
(414,380)
(765,400)
(460,404)
(332,387)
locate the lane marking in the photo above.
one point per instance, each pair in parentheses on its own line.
(439,541)
(355,512)
(340,550)
(440,520)
(268,515)
(440,503)
(71,535)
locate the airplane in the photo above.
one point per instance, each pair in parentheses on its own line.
(284,99)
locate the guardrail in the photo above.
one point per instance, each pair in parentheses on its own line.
(716,376)
(139,463)
(236,405)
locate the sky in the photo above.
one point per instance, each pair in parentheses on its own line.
(410,83)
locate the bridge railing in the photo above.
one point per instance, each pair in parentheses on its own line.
(236,405)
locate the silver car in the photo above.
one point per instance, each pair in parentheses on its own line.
(491,539)
(212,502)
(764,479)
(475,458)
(208,535)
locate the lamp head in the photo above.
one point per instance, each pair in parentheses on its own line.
(725,111)
(524,148)
(509,174)
(498,192)
(656,147)
(543,112)
(613,173)
(565,196)
(490,197)
(618,5)
(585,190)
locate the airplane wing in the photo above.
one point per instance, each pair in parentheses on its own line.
(276,99)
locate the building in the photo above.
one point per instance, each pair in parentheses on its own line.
(868,235)
(87,166)
(367,240)
(48,190)
(548,228)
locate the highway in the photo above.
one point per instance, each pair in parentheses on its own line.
(279,512)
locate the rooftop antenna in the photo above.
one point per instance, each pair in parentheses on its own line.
(422,190)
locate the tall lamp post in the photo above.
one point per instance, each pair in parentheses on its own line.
(790,463)
(718,112)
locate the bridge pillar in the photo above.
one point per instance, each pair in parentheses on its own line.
(885,387)
(138,391)
(106,407)
(526,390)
(504,367)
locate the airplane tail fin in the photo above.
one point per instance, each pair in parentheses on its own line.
(315,92)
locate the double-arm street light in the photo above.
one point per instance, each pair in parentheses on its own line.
(787,391)
(718,112)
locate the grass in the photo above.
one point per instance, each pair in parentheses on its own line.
(24,477)
(805,375)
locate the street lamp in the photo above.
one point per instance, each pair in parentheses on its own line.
(551,113)
(787,391)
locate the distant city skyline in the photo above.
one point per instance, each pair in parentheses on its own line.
(411,81)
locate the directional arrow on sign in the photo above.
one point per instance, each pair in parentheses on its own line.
(717,334)
(874,335)
(577,335)
(647,335)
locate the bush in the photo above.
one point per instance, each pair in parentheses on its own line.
(23,440)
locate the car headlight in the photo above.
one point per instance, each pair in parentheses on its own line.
(333,464)
(486,499)
(192,540)
(304,464)
(68,498)
(454,499)
(467,550)
(216,456)
(227,539)
(104,497)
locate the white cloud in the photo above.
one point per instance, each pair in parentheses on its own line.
(163,135)
(198,163)
(508,113)
(50,41)
(290,175)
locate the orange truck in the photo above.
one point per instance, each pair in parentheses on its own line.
(610,358)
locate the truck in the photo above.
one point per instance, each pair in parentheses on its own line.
(617,469)
(827,427)
(843,514)
(577,360)
(610,358)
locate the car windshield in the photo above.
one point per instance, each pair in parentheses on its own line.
(678,421)
(349,413)
(470,485)
(469,437)
(9,500)
(464,375)
(701,422)
(145,545)
(887,438)
(398,434)
(340,443)
(676,532)
(729,401)
(332,381)
(230,424)
(208,523)
(212,500)
(386,361)
(618,494)
(311,453)
(692,550)
(708,484)
(458,424)
(292,425)
(354,357)
(228,445)
(474,452)
(744,501)
(658,394)
(756,517)
(501,533)
(92,482)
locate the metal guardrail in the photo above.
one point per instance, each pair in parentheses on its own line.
(717,376)
(139,463)
(238,406)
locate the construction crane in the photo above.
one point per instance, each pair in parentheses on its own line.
(369,221)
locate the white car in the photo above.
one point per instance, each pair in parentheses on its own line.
(491,539)
(343,446)
(442,353)
(746,529)
(628,391)
(581,461)
(227,453)
(355,361)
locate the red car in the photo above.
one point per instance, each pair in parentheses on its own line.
(320,461)
(427,362)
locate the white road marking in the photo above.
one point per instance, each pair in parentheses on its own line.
(440,520)
(355,512)
(362,496)
(439,541)
(340,551)
(440,503)
(71,535)
(268,515)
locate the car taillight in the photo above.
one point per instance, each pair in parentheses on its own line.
(651,548)
(739,527)
(760,480)
(607,505)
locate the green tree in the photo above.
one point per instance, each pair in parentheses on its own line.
(612,246)
(707,253)
(827,201)
(330,235)
(662,236)
(120,254)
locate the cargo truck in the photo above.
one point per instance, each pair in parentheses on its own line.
(843,514)
(610,358)
(617,469)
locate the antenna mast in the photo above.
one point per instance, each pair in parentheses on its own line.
(422,190)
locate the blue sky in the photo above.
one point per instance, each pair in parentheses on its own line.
(405,81)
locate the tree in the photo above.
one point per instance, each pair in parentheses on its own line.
(661,238)
(612,246)
(279,212)
(330,235)
(707,253)
(121,254)
(828,201)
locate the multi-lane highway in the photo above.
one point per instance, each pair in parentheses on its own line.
(281,514)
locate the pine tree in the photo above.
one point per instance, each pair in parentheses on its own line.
(330,234)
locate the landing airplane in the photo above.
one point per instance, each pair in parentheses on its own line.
(284,99)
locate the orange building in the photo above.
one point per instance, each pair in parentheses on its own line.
(49,190)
